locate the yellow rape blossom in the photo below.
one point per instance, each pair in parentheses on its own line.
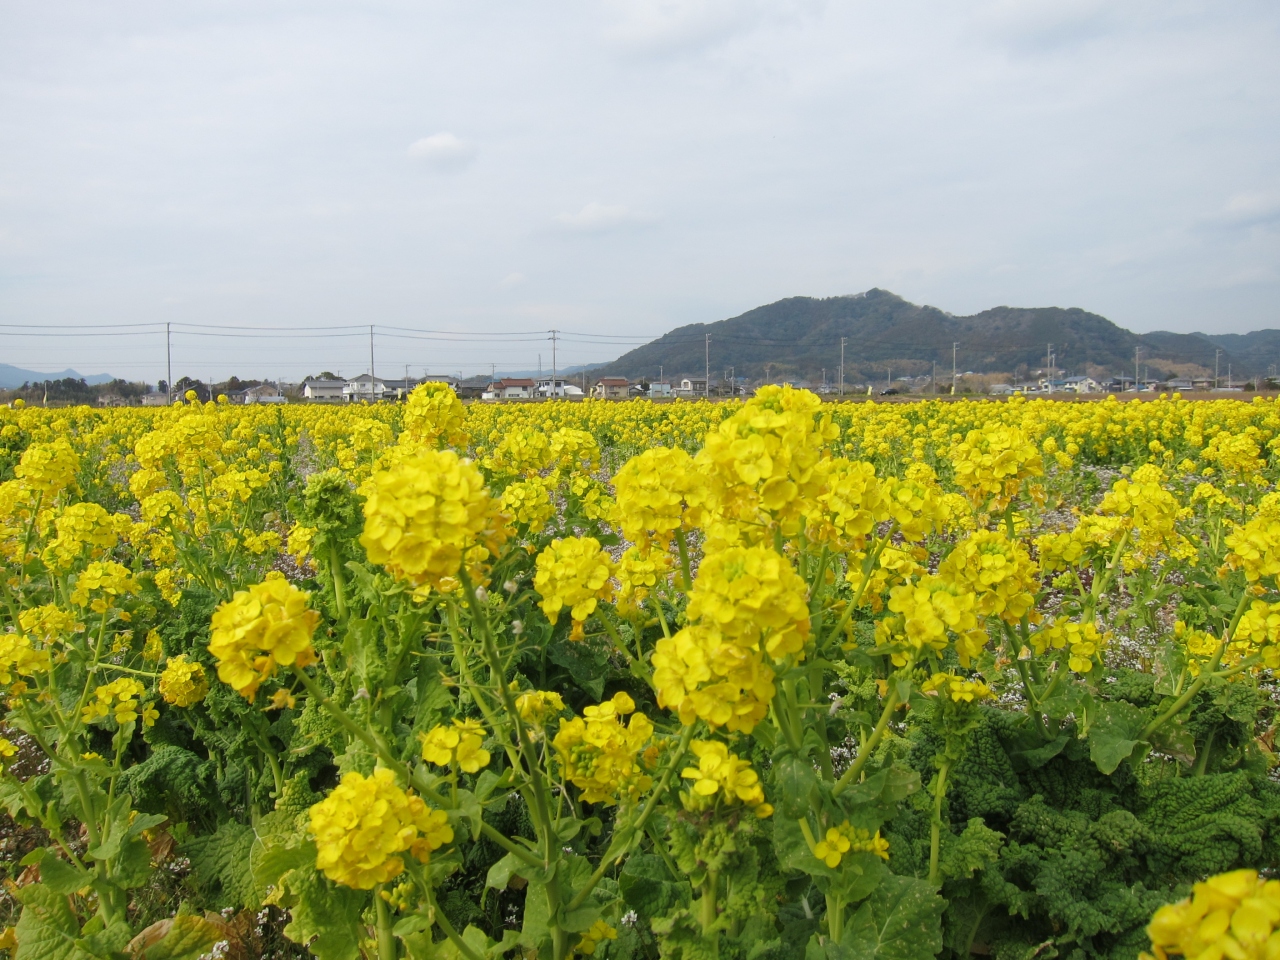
(1234,916)
(266,626)
(459,743)
(425,517)
(721,776)
(840,841)
(573,572)
(363,826)
(183,682)
(603,757)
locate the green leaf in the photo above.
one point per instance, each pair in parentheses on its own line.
(222,861)
(901,920)
(271,859)
(47,929)
(328,913)
(500,873)
(182,938)
(875,800)
(649,888)
(56,874)
(975,848)
(107,943)
(794,780)
(1177,741)
(1115,734)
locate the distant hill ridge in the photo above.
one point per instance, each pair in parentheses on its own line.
(11,376)
(800,336)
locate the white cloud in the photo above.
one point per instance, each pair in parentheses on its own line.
(676,26)
(443,151)
(1249,210)
(600,217)
(512,280)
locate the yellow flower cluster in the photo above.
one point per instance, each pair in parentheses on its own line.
(425,517)
(762,465)
(959,689)
(752,598)
(183,682)
(528,502)
(434,414)
(48,468)
(83,530)
(7,752)
(1233,916)
(366,822)
(722,777)
(266,626)
(459,743)
(658,492)
(998,570)
(601,756)
(850,506)
(1083,641)
(102,584)
(573,572)
(18,657)
(1153,510)
(844,839)
(929,611)
(591,940)
(538,706)
(639,573)
(1255,546)
(119,699)
(746,606)
(992,463)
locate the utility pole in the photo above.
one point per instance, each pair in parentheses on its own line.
(168,352)
(934,379)
(842,340)
(1048,365)
(954,348)
(707,372)
(1136,352)
(372,373)
(1217,355)
(554,373)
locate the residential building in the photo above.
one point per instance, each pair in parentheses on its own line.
(1000,389)
(660,389)
(364,389)
(263,393)
(562,388)
(612,388)
(398,388)
(1081,384)
(509,388)
(692,387)
(155,400)
(324,391)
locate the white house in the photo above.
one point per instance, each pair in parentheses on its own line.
(509,388)
(692,387)
(324,390)
(1081,384)
(364,389)
(563,388)
(657,389)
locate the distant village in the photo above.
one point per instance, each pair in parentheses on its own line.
(366,388)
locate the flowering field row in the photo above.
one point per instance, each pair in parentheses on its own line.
(754,681)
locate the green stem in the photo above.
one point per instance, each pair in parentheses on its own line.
(386,939)
(1201,680)
(935,831)
(855,768)
(1202,761)
(835,918)
(620,845)
(684,559)
(339,584)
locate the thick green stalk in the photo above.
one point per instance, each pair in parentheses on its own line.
(386,939)
(935,830)
(864,754)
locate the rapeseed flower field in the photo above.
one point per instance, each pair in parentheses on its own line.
(772,679)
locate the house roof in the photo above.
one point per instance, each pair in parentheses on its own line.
(324,383)
(614,381)
(515,382)
(365,378)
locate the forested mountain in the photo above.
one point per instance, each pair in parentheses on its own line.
(800,337)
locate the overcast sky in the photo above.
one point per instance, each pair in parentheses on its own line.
(619,167)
